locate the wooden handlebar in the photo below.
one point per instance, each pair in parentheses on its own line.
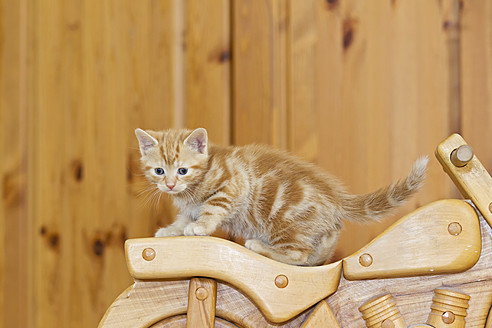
(472,179)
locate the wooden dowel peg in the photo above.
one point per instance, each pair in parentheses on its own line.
(454,228)
(365,260)
(281,281)
(201,293)
(461,155)
(148,254)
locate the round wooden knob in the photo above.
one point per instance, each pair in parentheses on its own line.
(448,317)
(281,281)
(365,260)
(148,254)
(490,207)
(201,293)
(454,228)
(461,155)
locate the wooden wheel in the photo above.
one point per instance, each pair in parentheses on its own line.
(489,319)
(159,304)
(179,321)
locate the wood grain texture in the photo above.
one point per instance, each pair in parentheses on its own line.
(202,297)
(208,68)
(420,244)
(15,256)
(259,72)
(86,110)
(413,295)
(303,96)
(55,116)
(147,302)
(184,257)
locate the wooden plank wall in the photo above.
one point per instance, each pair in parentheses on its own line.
(361,88)
(14,253)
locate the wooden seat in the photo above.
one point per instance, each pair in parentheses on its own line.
(280,290)
(194,280)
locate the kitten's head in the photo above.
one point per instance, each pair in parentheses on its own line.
(173,159)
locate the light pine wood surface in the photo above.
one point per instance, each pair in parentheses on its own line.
(256,275)
(421,243)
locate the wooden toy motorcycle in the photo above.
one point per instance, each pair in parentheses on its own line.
(432,268)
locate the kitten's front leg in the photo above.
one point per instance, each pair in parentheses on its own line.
(176,228)
(215,210)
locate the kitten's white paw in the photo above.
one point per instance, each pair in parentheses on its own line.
(168,232)
(196,229)
(254,245)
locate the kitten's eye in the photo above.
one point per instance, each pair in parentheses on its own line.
(182,171)
(159,171)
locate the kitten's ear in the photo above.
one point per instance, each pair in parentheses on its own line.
(145,141)
(197,140)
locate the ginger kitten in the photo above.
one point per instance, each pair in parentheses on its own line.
(285,208)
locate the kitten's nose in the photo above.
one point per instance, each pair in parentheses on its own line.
(170,185)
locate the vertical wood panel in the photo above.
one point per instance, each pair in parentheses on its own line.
(14,254)
(304,109)
(56,114)
(259,72)
(99,228)
(476,74)
(103,70)
(153,96)
(207,64)
(138,57)
(406,93)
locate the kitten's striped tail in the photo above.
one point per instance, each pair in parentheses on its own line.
(374,205)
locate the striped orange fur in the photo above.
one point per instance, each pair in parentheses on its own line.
(285,208)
